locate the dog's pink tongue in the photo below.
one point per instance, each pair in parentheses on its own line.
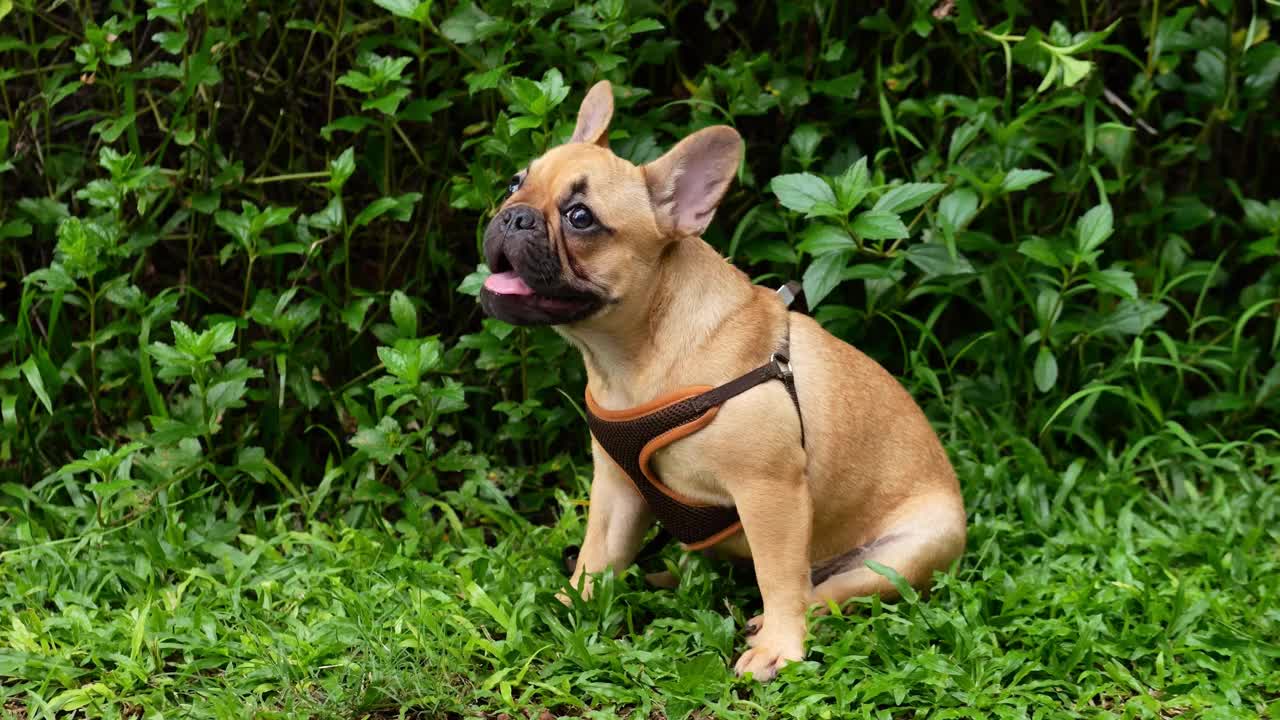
(507,283)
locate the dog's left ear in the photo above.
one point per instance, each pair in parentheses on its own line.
(594,115)
(687,183)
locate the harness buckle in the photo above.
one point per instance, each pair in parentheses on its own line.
(782,363)
(788,293)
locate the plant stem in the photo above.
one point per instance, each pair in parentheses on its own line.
(93,351)
(248,276)
(290,176)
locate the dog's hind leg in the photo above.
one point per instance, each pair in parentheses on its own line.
(927,538)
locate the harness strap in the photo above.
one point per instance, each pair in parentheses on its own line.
(631,437)
(778,368)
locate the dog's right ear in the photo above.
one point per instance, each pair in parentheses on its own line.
(594,115)
(687,183)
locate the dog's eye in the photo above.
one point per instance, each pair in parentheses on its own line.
(580,217)
(514,185)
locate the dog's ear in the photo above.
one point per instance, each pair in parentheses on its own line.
(594,115)
(687,183)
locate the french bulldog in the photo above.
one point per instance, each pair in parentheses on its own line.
(610,255)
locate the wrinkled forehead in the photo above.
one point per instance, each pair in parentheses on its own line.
(589,171)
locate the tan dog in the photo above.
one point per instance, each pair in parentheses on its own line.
(610,255)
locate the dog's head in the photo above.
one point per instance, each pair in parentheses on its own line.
(582,230)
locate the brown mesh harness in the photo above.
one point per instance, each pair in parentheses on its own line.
(630,437)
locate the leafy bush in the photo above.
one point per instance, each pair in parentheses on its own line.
(240,249)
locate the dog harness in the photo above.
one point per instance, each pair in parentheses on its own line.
(631,437)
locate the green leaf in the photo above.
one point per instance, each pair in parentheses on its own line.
(388,103)
(823,239)
(1048,307)
(1257,216)
(1046,369)
(422,109)
(935,260)
(52,279)
(957,209)
(170,42)
(1114,141)
(801,191)
(81,244)
(404,314)
(225,395)
(1133,317)
(206,202)
(1042,251)
(822,276)
(426,350)
(1114,281)
(358,81)
(1073,70)
(871,271)
(852,185)
(221,337)
(32,374)
(397,363)
(961,137)
(899,582)
(202,70)
(15,229)
(804,143)
(644,26)
(169,358)
(1094,228)
(472,283)
(44,211)
(1269,384)
(879,225)
(847,86)
(487,80)
(468,24)
(353,314)
(374,210)
(271,217)
(1019,179)
(553,88)
(907,196)
(340,169)
(450,397)
(184,338)
(382,443)
(347,123)
(236,224)
(400,8)
(331,217)
(112,129)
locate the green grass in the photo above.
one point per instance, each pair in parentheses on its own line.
(1147,587)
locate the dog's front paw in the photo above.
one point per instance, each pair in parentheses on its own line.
(767,656)
(584,591)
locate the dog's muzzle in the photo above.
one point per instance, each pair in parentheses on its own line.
(529,284)
(517,240)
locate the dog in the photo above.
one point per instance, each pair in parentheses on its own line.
(819,461)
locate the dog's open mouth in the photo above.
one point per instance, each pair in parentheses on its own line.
(507,296)
(511,286)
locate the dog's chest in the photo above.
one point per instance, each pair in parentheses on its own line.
(691,467)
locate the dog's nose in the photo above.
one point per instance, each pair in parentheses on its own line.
(519,217)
